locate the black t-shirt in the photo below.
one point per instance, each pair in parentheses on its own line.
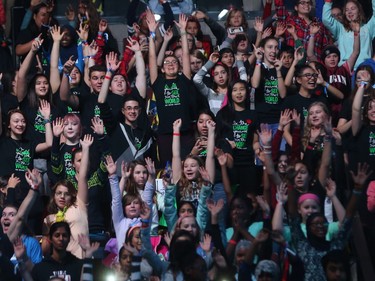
(241,131)
(70,268)
(172,102)
(301,104)
(267,99)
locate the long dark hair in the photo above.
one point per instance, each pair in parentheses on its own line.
(31,94)
(227,112)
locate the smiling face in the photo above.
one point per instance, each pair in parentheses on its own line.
(303,7)
(66,40)
(318,227)
(307,79)
(351,11)
(220,76)
(131,111)
(136,241)
(60,239)
(62,197)
(17,125)
(170,67)
(186,210)
(118,85)
(76,77)
(41,86)
(317,116)
(191,169)
(189,224)
(239,93)
(133,210)
(371,112)
(140,175)
(41,17)
(270,49)
(7,217)
(307,207)
(302,177)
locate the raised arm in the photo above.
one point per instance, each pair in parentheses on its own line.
(112,66)
(210,158)
(357,104)
(82,193)
(153,67)
(45,111)
(331,194)
(54,60)
(21,89)
(257,75)
(65,94)
(176,147)
(140,79)
(314,29)
(182,22)
(280,80)
(34,180)
(298,56)
(326,155)
(167,38)
(278,215)
(356,45)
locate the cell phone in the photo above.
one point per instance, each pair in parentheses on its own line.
(234,30)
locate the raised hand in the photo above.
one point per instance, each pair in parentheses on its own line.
(103,25)
(211,126)
(206,244)
(278,64)
(363,172)
(112,62)
(222,158)
(330,188)
(87,141)
(263,204)
(110,165)
(13,181)
(280,29)
(214,57)
(97,126)
(182,22)
(68,66)
(145,211)
(291,29)
(204,174)
(267,32)
(83,31)
(314,28)
(150,20)
(258,24)
(58,127)
(285,117)
(150,168)
(298,54)
(125,170)
(37,43)
(33,178)
(215,207)
(133,45)
(258,53)
(265,134)
(296,117)
(19,249)
(177,125)
(89,249)
(45,109)
(56,33)
(92,49)
(167,238)
(282,193)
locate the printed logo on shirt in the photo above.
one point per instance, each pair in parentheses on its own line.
(337,79)
(137,143)
(371,144)
(240,130)
(23,159)
(305,112)
(39,123)
(271,92)
(61,274)
(172,95)
(69,170)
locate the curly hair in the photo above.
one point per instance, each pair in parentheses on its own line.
(185,185)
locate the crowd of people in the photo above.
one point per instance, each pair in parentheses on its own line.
(180,159)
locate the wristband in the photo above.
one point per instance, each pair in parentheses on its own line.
(177,134)
(84,42)
(327,138)
(45,121)
(152,34)
(34,187)
(107,77)
(232,242)
(183,33)
(267,152)
(145,221)
(326,85)
(87,57)
(356,33)
(258,62)
(362,84)
(111,70)
(100,33)
(267,146)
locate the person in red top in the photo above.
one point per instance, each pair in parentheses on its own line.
(301,20)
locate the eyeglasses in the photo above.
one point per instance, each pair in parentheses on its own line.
(304,3)
(129,108)
(319,224)
(309,75)
(167,62)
